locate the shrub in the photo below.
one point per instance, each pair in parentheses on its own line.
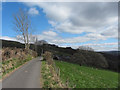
(9,53)
(48,57)
(90,58)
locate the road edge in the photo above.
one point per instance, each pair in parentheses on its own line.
(41,80)
(7,75)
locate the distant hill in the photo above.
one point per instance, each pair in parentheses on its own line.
(6,43)
(115,53)
(41,42)
(82,57)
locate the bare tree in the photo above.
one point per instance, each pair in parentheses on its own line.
(22,25)
(85,48)
(36,44)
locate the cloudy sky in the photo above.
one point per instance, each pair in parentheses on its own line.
(73,24)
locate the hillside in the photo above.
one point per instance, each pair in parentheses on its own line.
(112,58)
(81,57)
(13,58)
(6,43)
(86,77)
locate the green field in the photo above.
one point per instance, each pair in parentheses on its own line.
(86,77)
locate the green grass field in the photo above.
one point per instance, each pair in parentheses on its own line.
(86,77)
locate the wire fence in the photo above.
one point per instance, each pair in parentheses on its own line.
(55,71)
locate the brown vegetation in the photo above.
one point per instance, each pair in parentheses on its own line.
(17,53)
(14,57)
(55,72)
(48,57)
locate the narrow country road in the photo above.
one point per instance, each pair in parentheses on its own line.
(28,76)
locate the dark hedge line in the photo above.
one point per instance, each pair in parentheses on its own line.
(81,57)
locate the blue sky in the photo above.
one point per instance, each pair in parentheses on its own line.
(67,24)
(40,21)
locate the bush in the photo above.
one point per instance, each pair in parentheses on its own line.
(90,58)
(18,53)
(48,57)
(79,59)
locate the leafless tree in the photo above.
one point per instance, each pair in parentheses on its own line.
(22,25)
(36,40)
(85,48)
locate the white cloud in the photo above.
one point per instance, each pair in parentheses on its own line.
(110,32)
(33,11)
(105,48)
(48,36)
(18,38)
(68,27)
(71,40)
(60,1)
(55,12)
(76,18)
(97,47)
(53,23)
(98,20)
(80,17)
(53,37)
(103,44)
(50,33)
(8,38)
(59,41)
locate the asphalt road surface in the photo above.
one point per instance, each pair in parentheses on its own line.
(28,76)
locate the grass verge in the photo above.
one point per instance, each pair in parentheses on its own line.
(10,65)
(48,78)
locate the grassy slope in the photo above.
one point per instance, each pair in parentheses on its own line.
(15,64)
(87,77)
